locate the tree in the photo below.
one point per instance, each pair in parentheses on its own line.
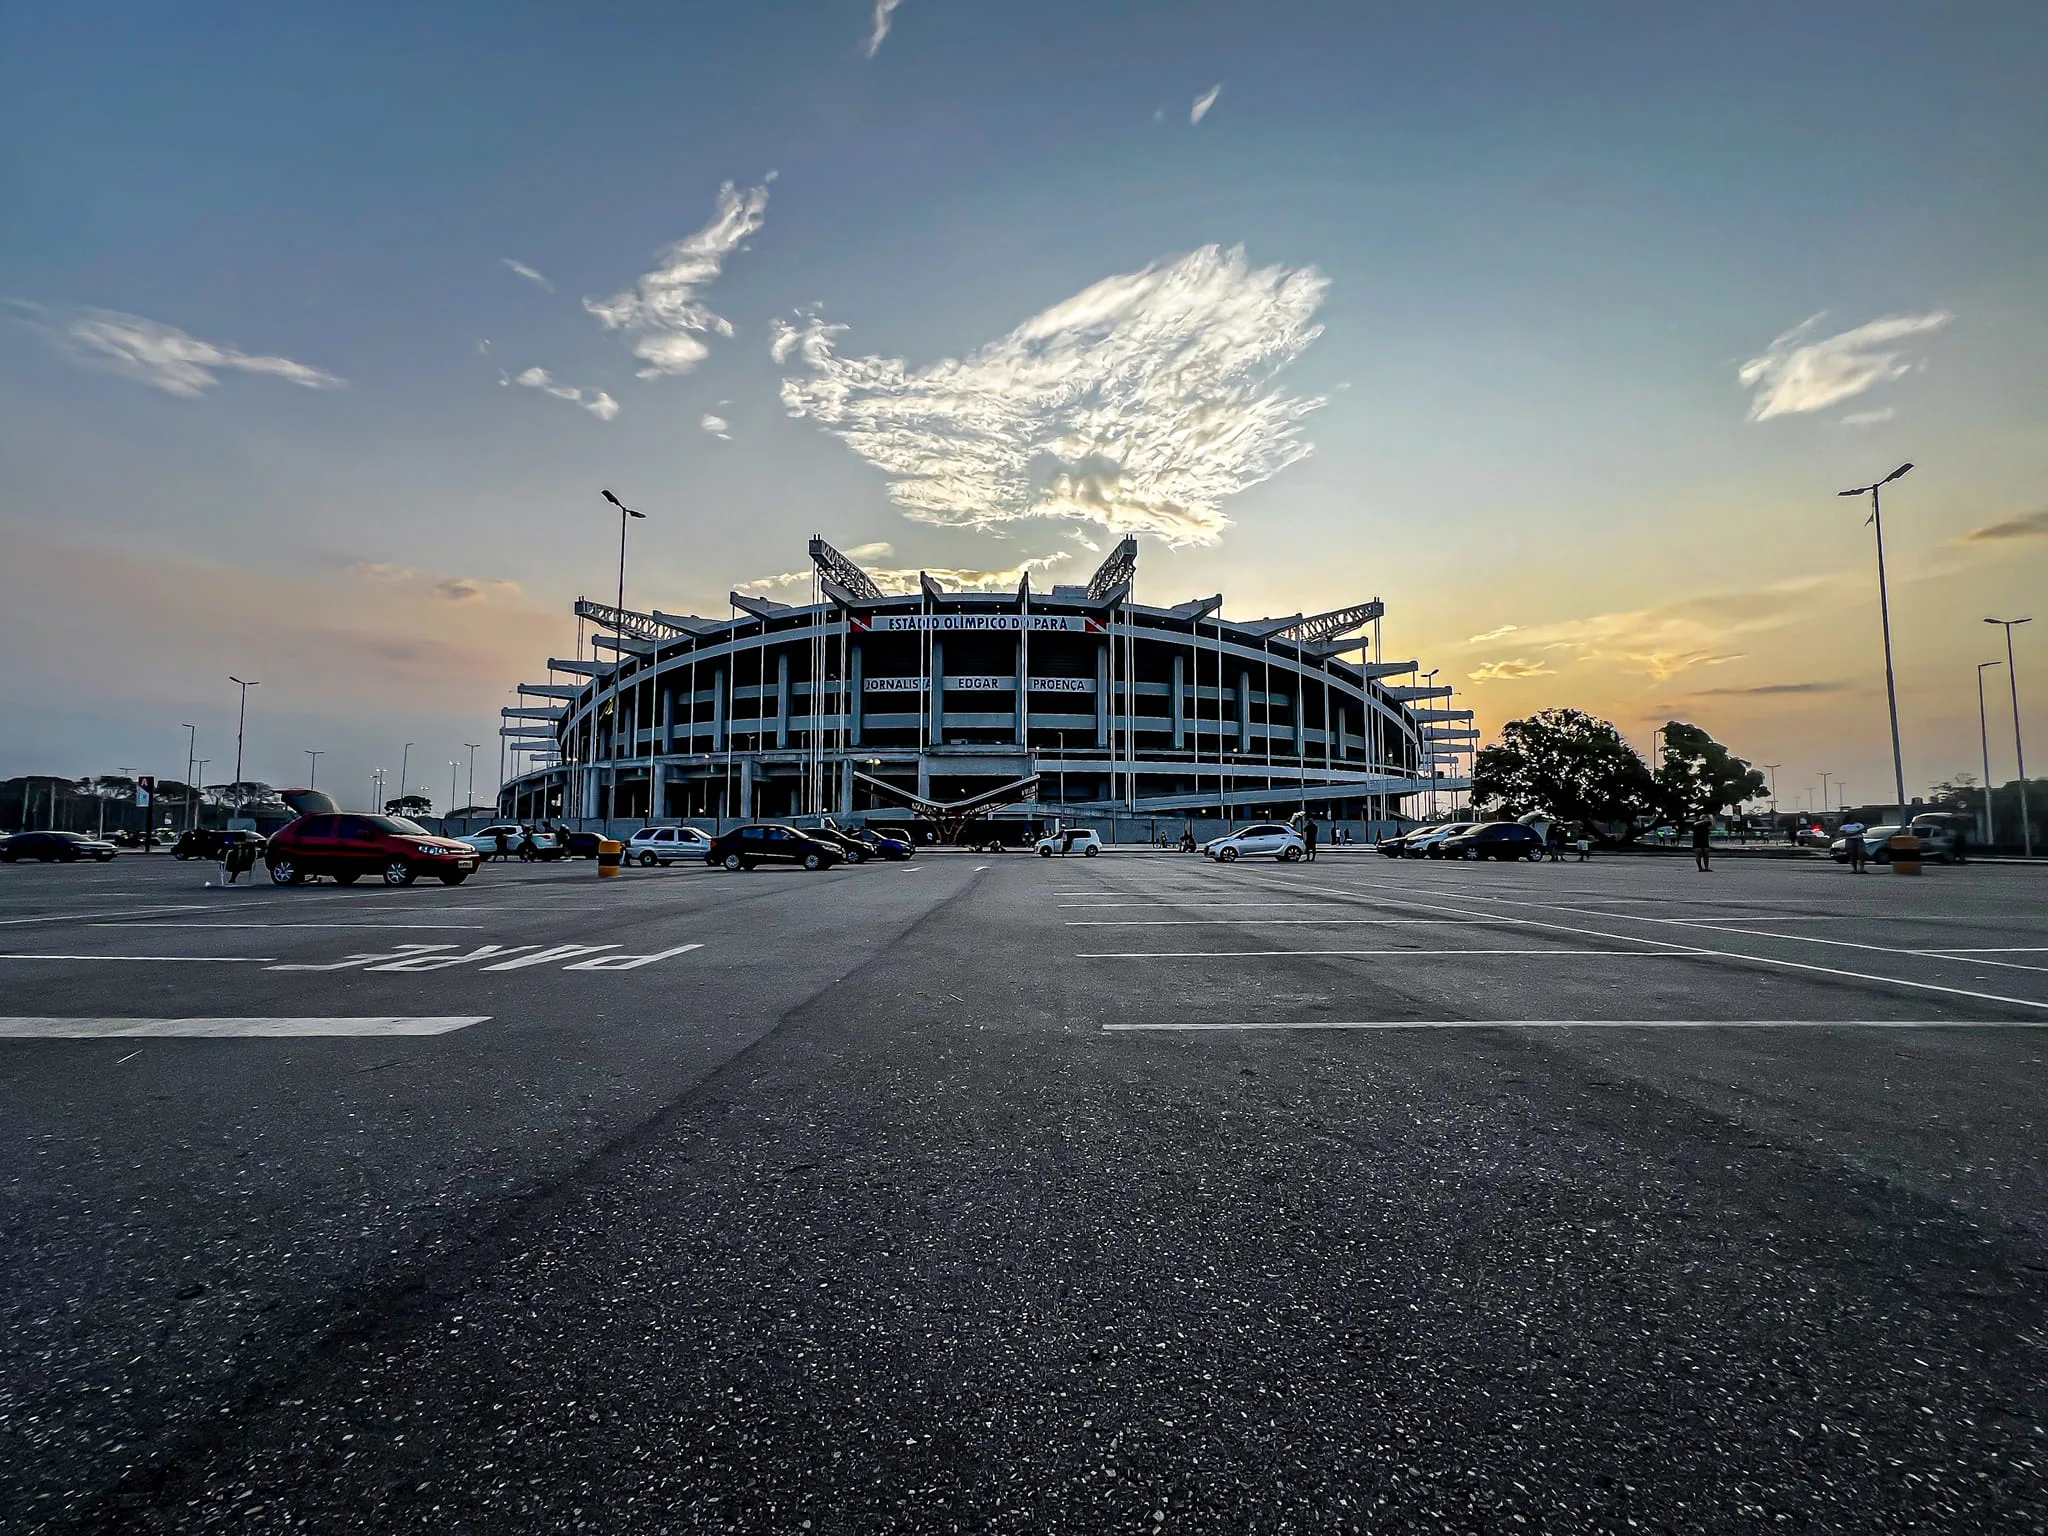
(1566,764)
(1700,777)
(409,805)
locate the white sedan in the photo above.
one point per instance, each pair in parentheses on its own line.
(664,845)
(1266,837)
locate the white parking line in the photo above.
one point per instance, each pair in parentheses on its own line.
(1271,922)
(79,917)
(155,959)
(1720,954)
(1552,953)
(1389,1024)
(408,927)
(230,1028)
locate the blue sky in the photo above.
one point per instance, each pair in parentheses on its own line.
(1502,267)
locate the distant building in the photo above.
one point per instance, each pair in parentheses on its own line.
(1115,705)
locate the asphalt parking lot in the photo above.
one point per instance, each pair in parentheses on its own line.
(998,1193)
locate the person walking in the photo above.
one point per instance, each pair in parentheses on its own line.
(1853,845)
(1585,847)
(504,844)
(1309,834)
(1703,844)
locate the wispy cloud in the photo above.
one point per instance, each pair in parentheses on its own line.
(471,589)
(595,401)
(1204,102)
(717,426)
(528,273)
(662,312)
(880,30)
(894,579)
(2028,525)
(1695,632)
(1492,634)
(1798,373)
(454,589)
(1140,404)
(1520,666)
(1768,690)
(1868,418)
(164,357)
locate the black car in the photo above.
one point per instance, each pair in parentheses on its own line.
(745,847)
(209,842)
(55,847)
(1494,840)
(581,845)
(852,844)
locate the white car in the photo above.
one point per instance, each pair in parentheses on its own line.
(486,841)
(1267,837)
(664,845)
(1071,840)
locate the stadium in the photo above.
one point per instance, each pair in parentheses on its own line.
(1080,699)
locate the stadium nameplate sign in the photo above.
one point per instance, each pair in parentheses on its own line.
(980,684)
(1010,623)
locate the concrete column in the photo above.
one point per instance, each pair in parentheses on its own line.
(782,700)
(1294,704)
(1102,694)
(720,708)
(1244,711)
(1021,713)
(938,694)
(1180,705)
(746,766)
(657,780)
(854,700)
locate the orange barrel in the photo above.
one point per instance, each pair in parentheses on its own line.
(1904,850)
(610,851)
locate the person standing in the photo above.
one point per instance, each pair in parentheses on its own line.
(1856,849)
(1308,837)
(1703,844)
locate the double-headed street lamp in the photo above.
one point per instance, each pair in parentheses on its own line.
(1986,826)
(625,512)
(472,745)
(2019,749)
(241,719)
(1884,608)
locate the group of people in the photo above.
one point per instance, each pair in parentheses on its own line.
(526,849)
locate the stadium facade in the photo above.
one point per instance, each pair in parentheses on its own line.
(864,699)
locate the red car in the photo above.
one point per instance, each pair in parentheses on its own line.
(395,850)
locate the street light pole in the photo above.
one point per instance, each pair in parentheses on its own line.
(1884,608)
(1986,825)
(625,512)
(1825,775)
(191,753)
(1772,769)
(313,775)
(404,762)
(472,745)
(454,768)
(2019,749)
(241,719)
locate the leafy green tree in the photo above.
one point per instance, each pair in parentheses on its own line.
(1569,765)
(409,805)
(1700,777)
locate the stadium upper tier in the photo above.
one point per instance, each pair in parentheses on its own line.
(783,710)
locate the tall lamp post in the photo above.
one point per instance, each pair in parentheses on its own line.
(1772,769)
(1825,775)
(1884,609)
(377,790)
(454,768)
(191,755)
(2019,749)
(404,762)
(1985,826)
(472,745)
(313,773)
(241,719)
(625,513)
